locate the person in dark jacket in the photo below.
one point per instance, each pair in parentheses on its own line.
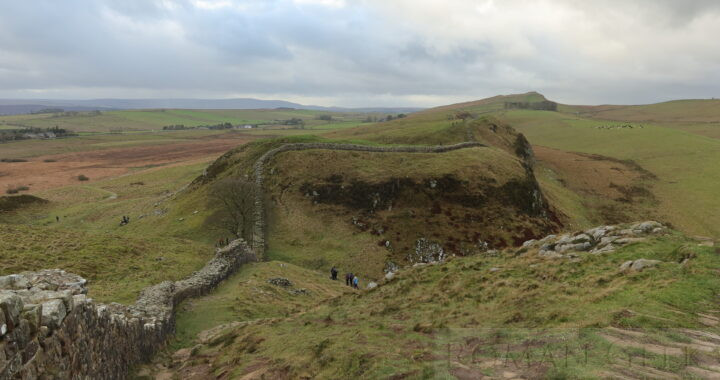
(333,273)
(348,279)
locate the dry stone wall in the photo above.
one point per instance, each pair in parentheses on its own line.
(259,230)
(50,329)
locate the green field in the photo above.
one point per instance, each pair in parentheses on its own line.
(685,163)
(156,119)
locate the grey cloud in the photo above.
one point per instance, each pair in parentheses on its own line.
(354,53)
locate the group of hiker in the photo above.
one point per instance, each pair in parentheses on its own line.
(222,242)
(350,279)
(125,220)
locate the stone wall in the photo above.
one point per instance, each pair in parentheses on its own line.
(260,228)
(49,328)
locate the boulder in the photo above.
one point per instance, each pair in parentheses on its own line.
(626,265)
(53,313)
(603,249)
(33,314)
(529,243)
(550,254)
(427,252)
(389,276)
(639,264)
(646,227)
(3,325)
(573,247)
(581,238)
(564,239)
(65,295)
(11,305)
(279,281)
(598,233)
(372,285)
(607,240)
(628,240)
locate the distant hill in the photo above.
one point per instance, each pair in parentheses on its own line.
(19,109)
(22,106)
(688,110)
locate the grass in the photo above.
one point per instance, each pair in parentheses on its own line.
(155,119)
(684,162)
(165,239)
(24,149)
(247,296)
(117,266)
(403,327)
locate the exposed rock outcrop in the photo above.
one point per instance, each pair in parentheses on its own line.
(596,240)
(259,229)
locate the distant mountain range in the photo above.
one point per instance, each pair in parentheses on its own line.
(24,106)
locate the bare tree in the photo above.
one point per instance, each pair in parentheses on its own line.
(237,197)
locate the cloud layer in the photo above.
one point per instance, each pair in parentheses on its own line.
(361,52)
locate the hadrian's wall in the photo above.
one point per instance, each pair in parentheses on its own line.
(50,329)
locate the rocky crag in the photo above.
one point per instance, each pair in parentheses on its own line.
(260,228)
(596,240)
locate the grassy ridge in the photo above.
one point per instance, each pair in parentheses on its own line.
(401,327)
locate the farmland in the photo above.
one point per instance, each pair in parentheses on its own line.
(154,120)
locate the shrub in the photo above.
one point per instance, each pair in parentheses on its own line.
(12,160)
(49,160)
(16,189)
(82,177)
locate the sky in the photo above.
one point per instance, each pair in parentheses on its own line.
(363,52)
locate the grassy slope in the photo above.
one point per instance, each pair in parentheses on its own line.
(685,163)
(247,296)
(88,240)
(436,126)
(398,328)
(118,266)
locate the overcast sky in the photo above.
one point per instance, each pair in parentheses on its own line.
(361,52)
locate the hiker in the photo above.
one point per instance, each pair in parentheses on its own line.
(57,219)
(355,282)
(333,273)
(348,279)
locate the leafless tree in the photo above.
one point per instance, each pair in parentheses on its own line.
(237,198)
